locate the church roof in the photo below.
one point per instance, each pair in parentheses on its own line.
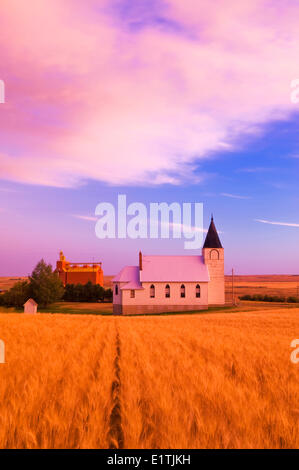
(212,239)
(130,276)
(173,269)
(160,268)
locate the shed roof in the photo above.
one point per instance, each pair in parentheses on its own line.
(30,301)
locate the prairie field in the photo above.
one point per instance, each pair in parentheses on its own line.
(218,380)
(7,282)
(272,285)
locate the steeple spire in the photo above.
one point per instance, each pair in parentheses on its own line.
(212,239)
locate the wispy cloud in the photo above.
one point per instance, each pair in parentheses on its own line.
(85,217)
(235,196)
(8,190)
(258,169)
(286,224)
(186,228)
(279,185)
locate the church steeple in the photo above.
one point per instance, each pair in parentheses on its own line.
(212,239)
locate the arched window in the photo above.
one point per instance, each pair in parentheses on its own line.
(152,291)
(197,290)
(183,291)
(214,254)
(167,290)
(116,289)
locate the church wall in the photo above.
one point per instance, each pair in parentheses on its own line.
(155,308)
(175,302)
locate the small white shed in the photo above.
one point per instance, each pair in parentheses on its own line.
(30,306)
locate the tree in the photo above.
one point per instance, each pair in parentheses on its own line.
(69,293)
(108,295)
(45,287)
(88,292)
(17,295)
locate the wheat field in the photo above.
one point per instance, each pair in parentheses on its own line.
(221,380)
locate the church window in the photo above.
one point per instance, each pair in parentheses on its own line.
(167,290)
(197,291)
(152,291)
(183,291)
(214,254)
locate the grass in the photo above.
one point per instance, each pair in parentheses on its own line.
(69,308)
(79,308)
(85,308)
(183,381)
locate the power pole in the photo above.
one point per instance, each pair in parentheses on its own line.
(233,300)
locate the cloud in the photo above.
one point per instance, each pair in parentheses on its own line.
(286,224)
(254,170)
(85,217)
(235,196)
(138,95)
(8,190)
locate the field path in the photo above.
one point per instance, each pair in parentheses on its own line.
(115,434)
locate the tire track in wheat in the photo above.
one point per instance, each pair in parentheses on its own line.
(115,435)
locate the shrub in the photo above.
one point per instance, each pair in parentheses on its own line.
(88,292)
(267,298)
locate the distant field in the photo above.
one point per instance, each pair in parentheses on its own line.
(186,381)
(7,282)
(274,285)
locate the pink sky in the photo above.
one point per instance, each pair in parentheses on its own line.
(79,84)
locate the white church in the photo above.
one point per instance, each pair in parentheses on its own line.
(172,283)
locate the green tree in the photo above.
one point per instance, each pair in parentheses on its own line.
(69,293)
(108,295)
(17,295)
(88,292)
(45,287)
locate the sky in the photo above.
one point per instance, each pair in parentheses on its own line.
(160,100)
